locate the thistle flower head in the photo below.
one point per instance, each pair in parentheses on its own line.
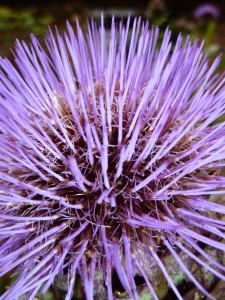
(108,150)
(207,10)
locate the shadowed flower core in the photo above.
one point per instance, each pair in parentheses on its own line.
(109,154)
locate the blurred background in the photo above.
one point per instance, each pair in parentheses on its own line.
(199,18)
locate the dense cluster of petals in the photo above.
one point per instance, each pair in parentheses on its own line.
(109,149)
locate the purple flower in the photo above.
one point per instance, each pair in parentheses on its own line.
(207,10)
(108,149)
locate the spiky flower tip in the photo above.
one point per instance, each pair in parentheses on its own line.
(108,151)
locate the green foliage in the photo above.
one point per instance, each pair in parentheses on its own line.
(24,19)
(19,24)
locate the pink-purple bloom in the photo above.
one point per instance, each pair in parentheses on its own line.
(207,10)
(109,146)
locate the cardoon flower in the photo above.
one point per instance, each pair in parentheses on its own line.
(109,154)
(207,10)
